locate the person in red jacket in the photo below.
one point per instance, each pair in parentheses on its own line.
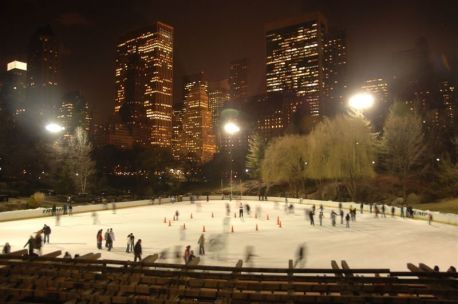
(99,239)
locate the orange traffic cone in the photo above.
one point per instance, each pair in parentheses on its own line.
(165,220)
(267,217)
(257,227)
(232,229)
(203,229)
(191,215)
(184,226)
(278,220)
(170,224)
(279,225)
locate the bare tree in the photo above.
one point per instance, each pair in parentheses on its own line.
(79,158)
(403,142)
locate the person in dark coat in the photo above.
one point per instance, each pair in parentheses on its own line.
(31,244)
(6,248)
(99,239)
(46,233)
(38,242)
(138,251)
(109,241)
(347,219)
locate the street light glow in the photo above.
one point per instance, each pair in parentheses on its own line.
(361,101)
(54,128)
(231,128)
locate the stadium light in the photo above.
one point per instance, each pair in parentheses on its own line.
(54,128)
(361,101)
(231,128)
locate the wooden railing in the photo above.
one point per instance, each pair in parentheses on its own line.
(49,279)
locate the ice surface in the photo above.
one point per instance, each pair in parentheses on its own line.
(370,242)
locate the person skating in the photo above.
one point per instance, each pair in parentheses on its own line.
(106,236)
(31,244)
(402,211)
(38,242)
(333,218)
(201,243)
(176,215)
(313,208)
(320,216)
(312,221)
(70,208)
(99,239)
(370,207)
(191,256)
(383,210)
(6,248)
(430,218)
(138,251)
(112,235)
(67,255)
(300,256)
(341,216)
(186,254)
(392,211)
(228,209)
(130,242)
(321,207)
(46,233)
(347,219)
(54,208)
(241,211)
(361,207)
(108,241)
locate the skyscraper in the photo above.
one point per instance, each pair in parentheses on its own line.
(218,96)
(199,139)
(74,112)
(449,103)
(238,80)
(379,88)
(144,83)
(295,58)
(335,69)
(43,73)
(13,91)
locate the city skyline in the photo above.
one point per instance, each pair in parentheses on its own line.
(223,42)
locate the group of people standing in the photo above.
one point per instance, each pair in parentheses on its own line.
(36,243)
(109,238)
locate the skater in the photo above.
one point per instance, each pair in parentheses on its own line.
(176,215)
(30,243)
(57,218)
(228,209)
(341,216)
(241,211)
(312,221)
(402,211)
(99,238)
(6,248)
(248,209)
(392,211)
(347,219)
(191,256)
(138,251)
(320,216)
(95,218)
(300,257)
(112,235)
(53,209)
(376,211)
(201,243)
(108,241)
(67,255)
(321,207)
(370,207)
(46,232)
(249,256)
(361,207)
(106,236)
(70,208)
(186,254)
(65,209)
(130,242)
(383,210)
(430,218)
(113,207)
(333,218)
(313,208)
(38,242)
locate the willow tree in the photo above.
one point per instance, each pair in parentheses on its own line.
(285,162)
(403,142)
(342,149)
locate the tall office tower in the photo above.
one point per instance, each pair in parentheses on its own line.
(449,104)
(218,96)
(144,78)
(13,90)
(379,89)
(295,58)
(177,134)
(335,73)
(73,112)
(199,139)
(238,80)
(43,73)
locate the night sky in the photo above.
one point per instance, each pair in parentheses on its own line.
(209,34)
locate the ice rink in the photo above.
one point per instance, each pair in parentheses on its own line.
(371,242)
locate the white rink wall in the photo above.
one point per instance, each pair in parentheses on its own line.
(444,218)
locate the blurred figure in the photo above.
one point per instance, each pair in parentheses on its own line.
(249,254)
(95,218)
(430,218)
(31,244)
(186,254)
(182,233)
(228,209)
(130,242)
(333,218)
(67,255)
(177,254)
(38,242)
(300,256)
(6,248)
(99,239)
(138,251)
(321,217)
(164,254)
(57,218)
(113,207)
(201,243)
(226,224)
(46,231)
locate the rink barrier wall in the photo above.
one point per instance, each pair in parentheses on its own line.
(444,218)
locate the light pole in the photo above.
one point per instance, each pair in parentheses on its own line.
(231,128)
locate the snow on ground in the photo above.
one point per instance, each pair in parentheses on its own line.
(370,242)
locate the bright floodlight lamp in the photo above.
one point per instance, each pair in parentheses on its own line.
(231,128)
(361,101)
(54,128)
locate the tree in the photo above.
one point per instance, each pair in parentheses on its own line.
(403,142)
(342,149)
(78,158)
(256,149)
(284,162)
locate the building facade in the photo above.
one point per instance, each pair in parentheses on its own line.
(199,140)
(295,58)
(13,90)
(238,80)
(73,112)
(144,83)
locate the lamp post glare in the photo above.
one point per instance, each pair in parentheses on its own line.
(231,128)
(54,128)
(361,101)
